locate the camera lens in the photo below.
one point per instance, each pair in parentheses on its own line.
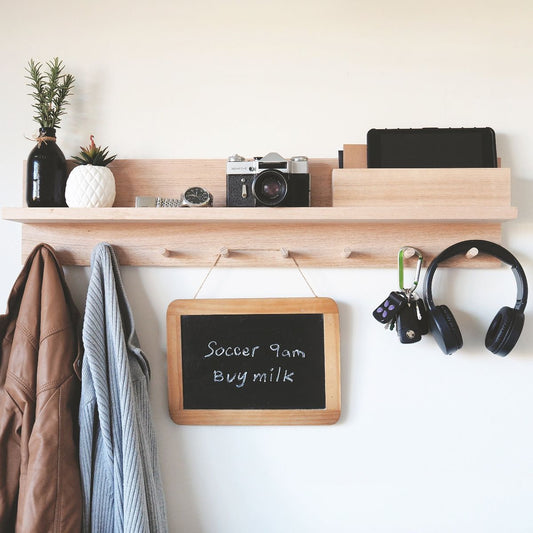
(270,187)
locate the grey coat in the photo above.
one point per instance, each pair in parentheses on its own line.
(121,481)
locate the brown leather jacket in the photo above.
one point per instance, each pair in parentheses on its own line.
(40,488)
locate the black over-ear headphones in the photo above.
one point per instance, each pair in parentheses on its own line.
(504,330)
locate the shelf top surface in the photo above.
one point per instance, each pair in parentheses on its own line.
(324,215)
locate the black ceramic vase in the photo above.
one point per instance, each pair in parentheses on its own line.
(46,175)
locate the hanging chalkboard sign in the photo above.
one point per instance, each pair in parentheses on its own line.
(254,361)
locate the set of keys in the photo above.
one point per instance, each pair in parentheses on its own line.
(403,309)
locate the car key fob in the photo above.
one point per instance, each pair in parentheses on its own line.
(389,309)
(407,324)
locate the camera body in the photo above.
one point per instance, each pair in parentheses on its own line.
(270,181)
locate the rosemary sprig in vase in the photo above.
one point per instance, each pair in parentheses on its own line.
(47,169)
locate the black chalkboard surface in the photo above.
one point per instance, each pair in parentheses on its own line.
(267,361)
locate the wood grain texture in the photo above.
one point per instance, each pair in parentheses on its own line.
(354,156)
(325,306)
(288,215)
(312,244)
(454,187)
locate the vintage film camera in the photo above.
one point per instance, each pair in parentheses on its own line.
(270,181)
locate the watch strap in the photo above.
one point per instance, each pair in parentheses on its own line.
(153,201)
(168,202)
(159,201)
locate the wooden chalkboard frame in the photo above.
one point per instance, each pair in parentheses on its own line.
(323,306)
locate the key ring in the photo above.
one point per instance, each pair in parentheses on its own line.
(401,255)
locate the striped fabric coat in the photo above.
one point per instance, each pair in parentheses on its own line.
(121,482)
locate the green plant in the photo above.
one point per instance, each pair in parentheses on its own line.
(50,91)
(94,155)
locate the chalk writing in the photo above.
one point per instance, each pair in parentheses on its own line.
(219,376)
(274,375)
(282,375)
(286,353)
(250,351)
(277,374)
(273,361)
(229,351)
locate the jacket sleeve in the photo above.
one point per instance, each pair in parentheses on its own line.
(10,428)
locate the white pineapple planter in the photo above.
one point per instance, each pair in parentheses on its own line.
(90,186)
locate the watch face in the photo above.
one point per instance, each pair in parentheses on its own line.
(197,196)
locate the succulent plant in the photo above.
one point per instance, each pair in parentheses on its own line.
(94,155)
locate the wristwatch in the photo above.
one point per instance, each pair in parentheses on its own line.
(192,197)
(196,197)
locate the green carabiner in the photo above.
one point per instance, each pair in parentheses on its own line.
(401,255)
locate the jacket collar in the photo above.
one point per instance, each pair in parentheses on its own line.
(15,297)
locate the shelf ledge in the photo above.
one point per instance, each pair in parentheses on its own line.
(285,215)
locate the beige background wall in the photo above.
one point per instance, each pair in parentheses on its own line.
(426,442)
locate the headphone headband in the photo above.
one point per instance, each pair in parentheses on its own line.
(486,247)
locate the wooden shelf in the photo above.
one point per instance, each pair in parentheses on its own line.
(358,217)
(289,215)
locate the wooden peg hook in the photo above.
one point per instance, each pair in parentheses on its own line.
(408,253)
(471,253)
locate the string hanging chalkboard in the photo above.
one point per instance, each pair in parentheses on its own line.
(253,361)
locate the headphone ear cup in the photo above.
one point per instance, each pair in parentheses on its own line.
(444,329)
(504,331)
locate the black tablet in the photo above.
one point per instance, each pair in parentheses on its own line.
(431,148)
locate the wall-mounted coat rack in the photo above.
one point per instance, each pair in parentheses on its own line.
(358,217)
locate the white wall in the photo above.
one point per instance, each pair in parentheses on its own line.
(426,442)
